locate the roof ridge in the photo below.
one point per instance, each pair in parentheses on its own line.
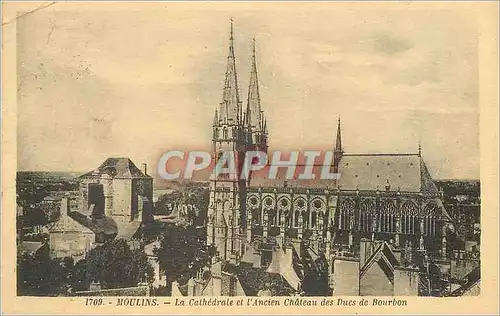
(380,154)
(370,260)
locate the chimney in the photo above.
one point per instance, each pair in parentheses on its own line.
(145,168)
(64,206)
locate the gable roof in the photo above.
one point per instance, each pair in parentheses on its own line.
(385,259)
(104,228)
(122,168)
(376,171)
(67,224)
(472,279)
(370,172)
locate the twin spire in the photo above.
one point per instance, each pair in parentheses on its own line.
(254,113)
(231,106)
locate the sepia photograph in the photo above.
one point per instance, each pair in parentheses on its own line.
(301,155)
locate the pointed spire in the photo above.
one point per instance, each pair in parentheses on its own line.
(253,101)
(338,143)
(230,107)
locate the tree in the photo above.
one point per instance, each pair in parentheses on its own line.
(183,253)
(114,265)
(39,275)
(34,216)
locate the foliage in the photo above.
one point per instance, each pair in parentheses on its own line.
(38,274)
(162,206)
(183,253)
(114,264)
(34,216)
(469,189)
(192,193)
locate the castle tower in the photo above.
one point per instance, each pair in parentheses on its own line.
(229,137)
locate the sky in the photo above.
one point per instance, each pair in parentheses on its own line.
(136,83)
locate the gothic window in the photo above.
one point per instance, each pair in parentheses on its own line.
(367,211)
(430,213)
(409,212)
(345,212)
(224,133)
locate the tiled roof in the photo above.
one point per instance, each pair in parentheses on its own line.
(371,172)
(375,172)
(105,228)
(385,258)
(122,168)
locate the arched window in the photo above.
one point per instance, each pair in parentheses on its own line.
(224,133)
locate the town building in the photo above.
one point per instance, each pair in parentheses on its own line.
(382,226)
(69,238)
(118,192)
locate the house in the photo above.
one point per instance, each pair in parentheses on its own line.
(120,191)
(69,238)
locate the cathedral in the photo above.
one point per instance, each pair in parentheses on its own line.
(383,221)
